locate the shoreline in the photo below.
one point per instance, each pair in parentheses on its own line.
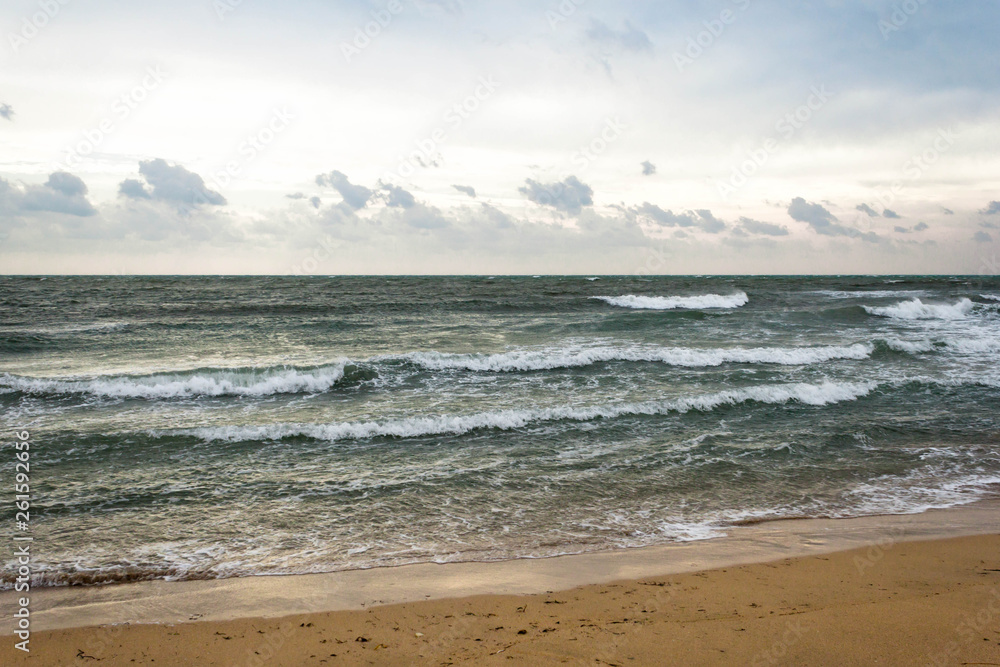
(922,602)
(266,597)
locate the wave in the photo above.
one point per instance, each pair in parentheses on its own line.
(991,297)
(915,309)
(57,330)
(504,420)
(530,360)
(258,382)
(671,302)
(852,294)
(204,382)
(909,346)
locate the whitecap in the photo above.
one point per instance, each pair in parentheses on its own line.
(569,357)
(695,302)
(824,393)
(208,382)
(915,309)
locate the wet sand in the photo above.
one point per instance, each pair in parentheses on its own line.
(894,601)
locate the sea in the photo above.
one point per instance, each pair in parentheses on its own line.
(208,427)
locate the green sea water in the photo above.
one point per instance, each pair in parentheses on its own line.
(192,427)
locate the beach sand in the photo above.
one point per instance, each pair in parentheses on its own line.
(903,603)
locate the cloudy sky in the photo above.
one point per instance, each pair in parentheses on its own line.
(450,136)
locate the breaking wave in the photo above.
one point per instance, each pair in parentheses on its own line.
(809,394)
(915,309)
(671,302)
(204,382)
(529,360)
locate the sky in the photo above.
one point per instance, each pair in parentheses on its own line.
(547,137)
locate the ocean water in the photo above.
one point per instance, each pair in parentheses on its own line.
(217,427)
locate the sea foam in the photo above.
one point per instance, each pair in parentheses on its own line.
(915,309)
(671,302)
(206,382)
(824,393)
(569,357)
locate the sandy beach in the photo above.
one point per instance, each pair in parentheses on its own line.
(896,601)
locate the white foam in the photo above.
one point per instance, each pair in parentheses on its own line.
(909,346)
(504,420)
(671,302)
(568,357)
(974,345)
(237,382)
(915,309)
(66,328)
(852,294)
(991,297)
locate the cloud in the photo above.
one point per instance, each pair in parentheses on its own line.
(61,193)
(992,209)
(766,228)
(315,201)
(948,211)
(133,189)
(355,196)
(919,227)
(397,197)
(466,189)
(67,184)
(648,168)
(709,222)
(702,218)
(891,214)
(982,237)
(823,222)
(6,111)
(170,183)
(868,210)
(814,214)
(570,195)
(424,217)
(628,38)
(665,218)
